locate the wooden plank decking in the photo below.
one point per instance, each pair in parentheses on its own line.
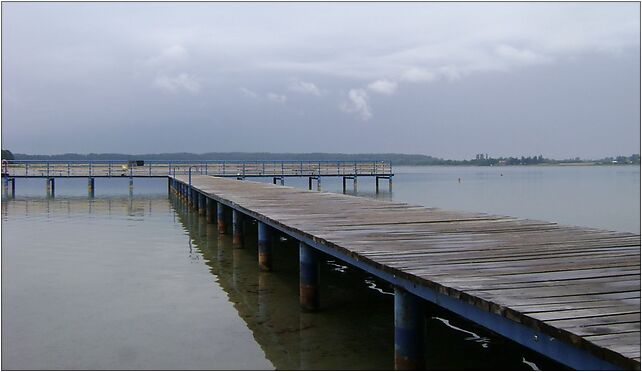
(578,285)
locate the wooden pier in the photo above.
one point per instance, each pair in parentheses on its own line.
(278,171)
(569,293)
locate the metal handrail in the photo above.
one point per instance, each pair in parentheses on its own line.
(155,168)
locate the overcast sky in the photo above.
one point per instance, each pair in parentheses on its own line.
(443,79)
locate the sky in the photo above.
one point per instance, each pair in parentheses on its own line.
(444,79)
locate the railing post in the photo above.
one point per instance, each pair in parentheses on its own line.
(90,168)
(26,169)
(109,170)
(150,169)
(206,168)
(47,169)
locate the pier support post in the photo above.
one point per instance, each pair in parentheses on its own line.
(308,278)
(390,184)
(344,185)
(265,247)
(376,184)
(197,202)
(191,196)
(210,206)
(220,217)
(201,204)
(355,183)
(319,183)
(90,186)
(409,331)
(309,183)
(13,188)
(237,228)
(131,184)
(51,186)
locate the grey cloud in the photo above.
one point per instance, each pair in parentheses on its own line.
(304,87)
(357,103)
(276,98)
(175,84)
(383,86)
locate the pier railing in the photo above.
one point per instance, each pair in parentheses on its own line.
(222,168)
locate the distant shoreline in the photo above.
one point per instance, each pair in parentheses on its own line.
(395,158)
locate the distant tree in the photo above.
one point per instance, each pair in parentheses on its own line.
(7,155)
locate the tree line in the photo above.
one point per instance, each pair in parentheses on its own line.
(395,158)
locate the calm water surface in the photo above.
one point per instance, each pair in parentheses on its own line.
(136,281)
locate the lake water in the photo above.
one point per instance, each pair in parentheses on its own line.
(136,281)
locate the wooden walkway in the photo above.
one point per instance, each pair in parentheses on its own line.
(571,293)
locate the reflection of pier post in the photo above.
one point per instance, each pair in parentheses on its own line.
(263,295)
(236,266)
(306,346)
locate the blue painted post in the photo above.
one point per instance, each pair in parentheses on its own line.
(13,188)
(265,247)
(237,228)
(409,331)
(220,217)
(308,278)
